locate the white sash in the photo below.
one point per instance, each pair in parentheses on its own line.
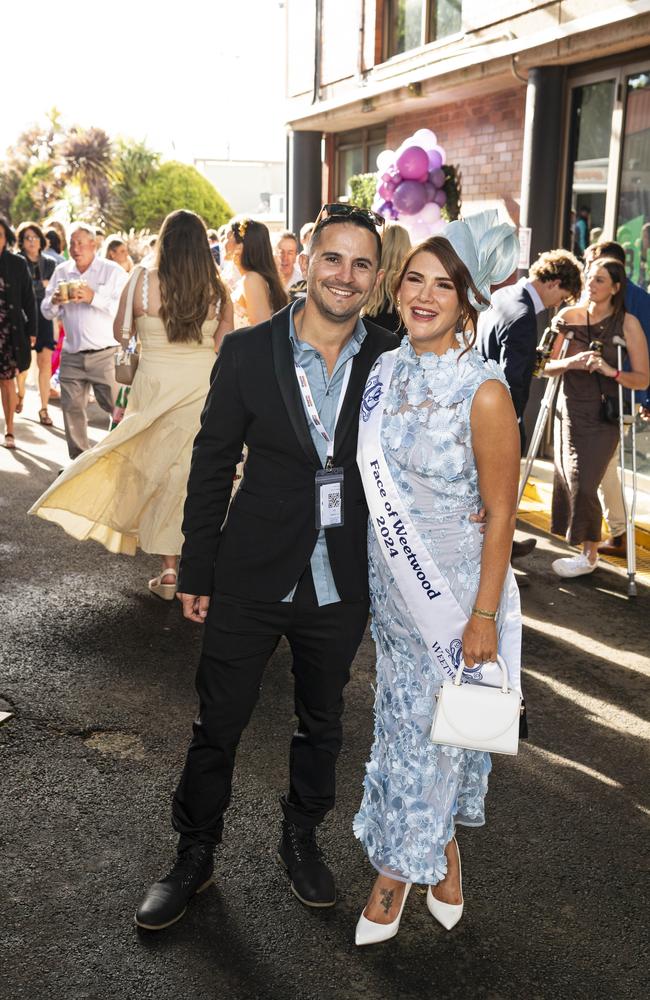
(438,615)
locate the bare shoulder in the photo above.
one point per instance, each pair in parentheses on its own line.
(253,281)
(491,397)
(631,326)
(571,314)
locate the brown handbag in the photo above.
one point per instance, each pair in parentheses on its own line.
(128,353)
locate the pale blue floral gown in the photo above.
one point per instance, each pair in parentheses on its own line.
(415,792)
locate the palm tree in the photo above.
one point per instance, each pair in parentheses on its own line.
(87,158)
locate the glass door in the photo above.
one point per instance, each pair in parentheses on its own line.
(633,215)
(590,140)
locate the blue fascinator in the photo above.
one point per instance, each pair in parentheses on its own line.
(488,249)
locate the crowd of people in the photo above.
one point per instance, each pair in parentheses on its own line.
(358,374)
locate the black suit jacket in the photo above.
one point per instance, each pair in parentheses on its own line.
(270,533)
(507,333)
(21,305)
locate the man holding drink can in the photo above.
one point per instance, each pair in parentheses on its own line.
(85,292)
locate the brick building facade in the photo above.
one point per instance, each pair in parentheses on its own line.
(544,106)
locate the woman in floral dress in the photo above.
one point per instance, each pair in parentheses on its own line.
(450,441)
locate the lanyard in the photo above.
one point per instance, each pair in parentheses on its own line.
(310,406)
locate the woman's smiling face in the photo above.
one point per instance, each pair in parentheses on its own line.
(429,304)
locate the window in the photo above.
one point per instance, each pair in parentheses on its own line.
(356,153)
(633,209)
(411,23)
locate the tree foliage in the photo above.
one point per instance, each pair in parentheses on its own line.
(175,185)
(118,184)
(362,190)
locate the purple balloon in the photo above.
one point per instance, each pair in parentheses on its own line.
(384,208)
(413,163)
(430,191)
(394,214)
(434,159)
(440,198)
(437,177)
(409,197)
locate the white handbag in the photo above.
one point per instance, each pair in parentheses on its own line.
(477,717)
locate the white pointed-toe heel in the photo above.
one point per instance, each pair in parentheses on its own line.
(165,590)
(370,932)
(447,914)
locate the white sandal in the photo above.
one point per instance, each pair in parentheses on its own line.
(165,590)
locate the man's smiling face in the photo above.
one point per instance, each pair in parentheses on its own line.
(343,271)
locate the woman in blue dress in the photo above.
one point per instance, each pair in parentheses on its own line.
(448,433)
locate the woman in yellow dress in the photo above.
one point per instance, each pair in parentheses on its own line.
(129,490)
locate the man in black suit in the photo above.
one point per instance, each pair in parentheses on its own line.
(507,331)
(289,560)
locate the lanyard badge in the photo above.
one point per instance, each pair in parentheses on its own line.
(329,481)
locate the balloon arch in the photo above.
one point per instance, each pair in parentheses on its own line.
(410,186)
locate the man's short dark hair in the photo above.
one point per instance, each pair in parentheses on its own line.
(10,236)
(608,248)
(349,220)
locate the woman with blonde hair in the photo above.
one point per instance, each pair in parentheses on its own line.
(382,306)
(128,491)
(259,292)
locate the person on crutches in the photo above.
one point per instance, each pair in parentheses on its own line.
(586,416)
(637,302)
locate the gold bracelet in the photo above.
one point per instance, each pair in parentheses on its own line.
(480,613)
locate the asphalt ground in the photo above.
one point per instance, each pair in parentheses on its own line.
(99,675)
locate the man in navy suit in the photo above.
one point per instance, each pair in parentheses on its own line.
(507,331)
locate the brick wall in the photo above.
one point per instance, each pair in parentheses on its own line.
(484,137)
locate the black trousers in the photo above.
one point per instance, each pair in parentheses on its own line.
(240,637)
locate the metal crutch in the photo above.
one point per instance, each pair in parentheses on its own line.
(546,405)
(630,513)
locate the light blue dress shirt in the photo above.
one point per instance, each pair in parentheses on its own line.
(325,390)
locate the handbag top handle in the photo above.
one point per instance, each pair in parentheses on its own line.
(127,322)
(499,661)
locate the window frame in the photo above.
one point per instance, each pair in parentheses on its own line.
(366,140)
(427,36)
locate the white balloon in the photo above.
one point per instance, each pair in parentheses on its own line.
(430,213)
(426,138)
(385,159)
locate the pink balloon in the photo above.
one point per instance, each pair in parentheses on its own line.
(434,159)
(386,190)
(437,177)
(440,198)
(409,197)
(412,163)
(394,174)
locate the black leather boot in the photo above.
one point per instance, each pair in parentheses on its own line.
(311,880)
(165,901)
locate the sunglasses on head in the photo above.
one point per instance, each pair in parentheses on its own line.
(340,210)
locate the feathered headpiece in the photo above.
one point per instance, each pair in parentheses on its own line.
(488,249)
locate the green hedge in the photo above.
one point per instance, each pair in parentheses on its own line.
(173,186)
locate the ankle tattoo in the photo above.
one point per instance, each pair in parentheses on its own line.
(387,896)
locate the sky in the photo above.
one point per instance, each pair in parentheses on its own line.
(193,78)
